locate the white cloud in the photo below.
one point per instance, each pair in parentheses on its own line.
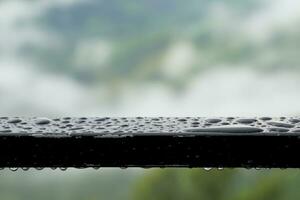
(276,14)
(179,59)
(93,53)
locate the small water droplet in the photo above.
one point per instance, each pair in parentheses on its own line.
(207,168)
(96,168)
(42,121)
(246,120)
(265,118)
(13,169)
(213,120)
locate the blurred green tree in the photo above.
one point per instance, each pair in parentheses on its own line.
(229,184)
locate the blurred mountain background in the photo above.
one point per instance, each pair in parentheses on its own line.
(149,58)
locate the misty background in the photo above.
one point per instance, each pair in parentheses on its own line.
(149,58)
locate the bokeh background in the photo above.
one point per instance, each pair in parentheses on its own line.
(150,58)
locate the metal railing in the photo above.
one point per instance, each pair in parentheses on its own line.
(150,142)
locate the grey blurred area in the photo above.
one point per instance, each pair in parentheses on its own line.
(145,58)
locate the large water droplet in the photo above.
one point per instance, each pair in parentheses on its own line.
(280,124)
(14,121)
(280,130)
(226,129)
(5,130)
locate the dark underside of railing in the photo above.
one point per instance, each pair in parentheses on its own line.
(150,142)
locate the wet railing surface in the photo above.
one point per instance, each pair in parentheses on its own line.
(150,142)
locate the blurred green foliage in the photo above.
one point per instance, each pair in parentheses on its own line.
(228,184)
(87,184)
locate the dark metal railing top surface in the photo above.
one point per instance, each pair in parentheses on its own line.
(104,126)
(150,142)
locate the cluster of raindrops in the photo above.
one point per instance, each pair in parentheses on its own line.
(104,126)
(15,169)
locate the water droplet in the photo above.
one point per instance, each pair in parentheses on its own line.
(296,130)
(295,120)
(25,168)
(96,168)
(42,121)
(280,124)
(63,168)
(265,118)
(246,120)
(76,128)
(213,120)
(13,169)
(5,130)
(14,121)
(281,130)
(226,129)
(207,168)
